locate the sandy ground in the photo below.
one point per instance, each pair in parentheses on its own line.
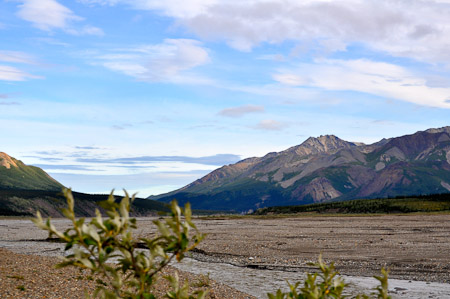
(414,247)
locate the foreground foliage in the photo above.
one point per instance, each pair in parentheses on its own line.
(106,247)
(328,284)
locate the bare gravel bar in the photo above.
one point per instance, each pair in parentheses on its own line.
(414,247)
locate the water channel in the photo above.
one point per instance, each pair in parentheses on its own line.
(258,282)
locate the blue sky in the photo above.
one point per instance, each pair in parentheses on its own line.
(150,95)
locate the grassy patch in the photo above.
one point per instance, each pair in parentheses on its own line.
(21,287)
(202,281)
(18,277)
(429,203)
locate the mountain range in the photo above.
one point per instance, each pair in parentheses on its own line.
(325,169)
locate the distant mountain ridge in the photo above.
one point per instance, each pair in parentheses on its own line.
(14,174)
(324,169)
(25,189)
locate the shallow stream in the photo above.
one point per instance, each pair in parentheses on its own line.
(259,282)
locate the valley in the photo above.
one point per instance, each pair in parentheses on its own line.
(307,200)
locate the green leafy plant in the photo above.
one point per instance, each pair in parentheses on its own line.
(203,281)
(21,287)
(328,284)
(19,277)
(382,289)
(107,248)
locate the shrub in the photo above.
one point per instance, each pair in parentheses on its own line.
(106,247)
(327,284)
(21,287)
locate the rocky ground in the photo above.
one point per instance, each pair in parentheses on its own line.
(414,247)
(27,268)
(32,276)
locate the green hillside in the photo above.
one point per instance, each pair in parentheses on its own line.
(14,174)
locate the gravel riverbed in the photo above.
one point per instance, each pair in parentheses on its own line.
(414,247)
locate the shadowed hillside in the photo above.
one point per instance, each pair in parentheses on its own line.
(50,203)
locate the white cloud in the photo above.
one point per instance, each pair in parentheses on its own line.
(290,79)
(169,61)
(378,78)
(51,41)
(241,110)
(278,92)
(398,27)
(50,14)
(10,73)
(270,125)
(17,57)
(175,8)
(274,57)
(46,14)
(413,28)
(86,30)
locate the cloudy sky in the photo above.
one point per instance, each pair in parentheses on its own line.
(150,95)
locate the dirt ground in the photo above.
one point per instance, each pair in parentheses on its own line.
(414,247)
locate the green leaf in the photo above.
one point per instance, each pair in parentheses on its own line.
(124,206)
(187,212)
(87,263)
(162,228)
(67,213)
(68,246)
(93,233)
(38,221)
(69,198)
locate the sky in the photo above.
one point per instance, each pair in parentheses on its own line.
(151,95)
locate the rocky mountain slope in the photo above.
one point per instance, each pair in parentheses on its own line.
(324,169)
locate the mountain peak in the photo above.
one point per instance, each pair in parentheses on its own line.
(439,130)
(7,161)
(322,139)
(322,144)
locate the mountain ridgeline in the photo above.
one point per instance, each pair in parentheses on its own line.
(25,189)
(326,169)
(14,174)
